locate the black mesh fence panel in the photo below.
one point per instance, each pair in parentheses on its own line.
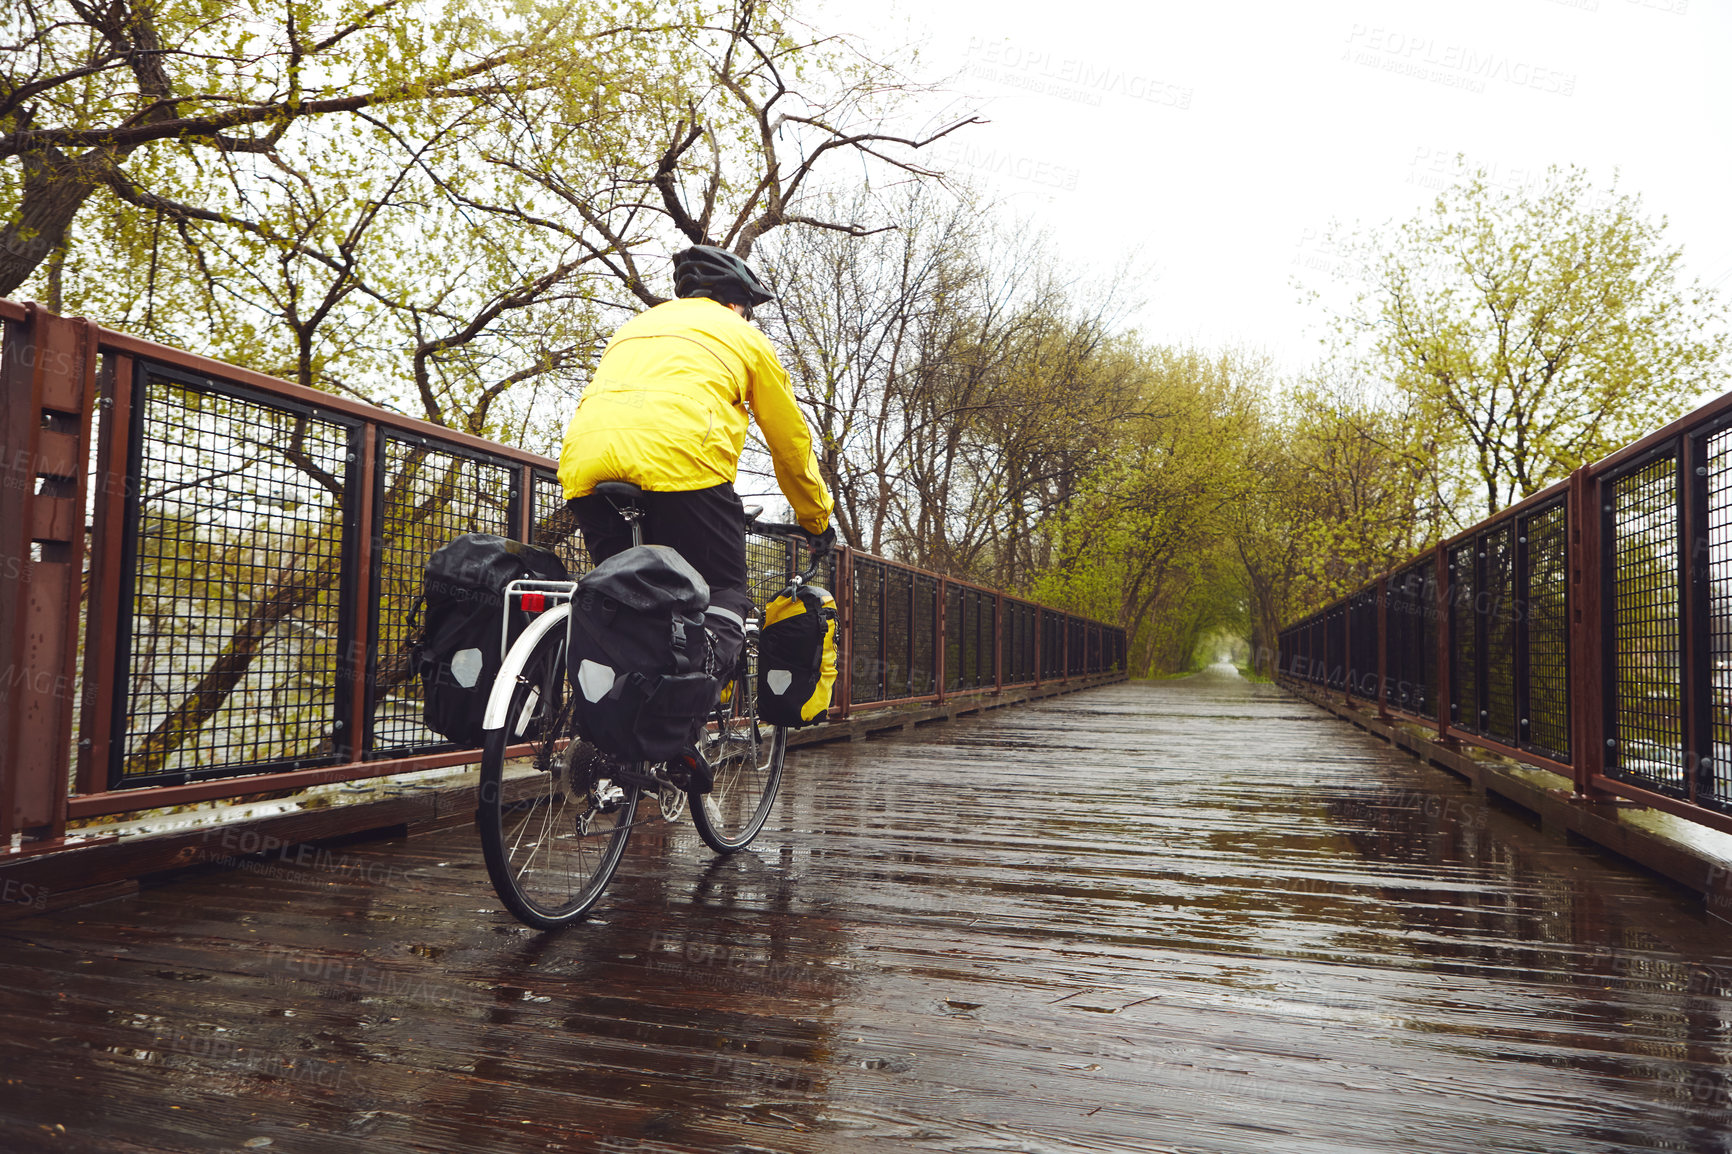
(234,627)
(987,632)
(1548,632)
(1031,624)
(1715,783)
(867,666)
(1646,694)
(953,638)
(1411,641)
(968,621)
(1362,643)
(1335,642)
(898,590)
(1052,645)
(1026,625)
(770,566)
(923,669)
(427,495)
(1501,613)
(552,525)
(985,640)
(1034,631)
(1464,636)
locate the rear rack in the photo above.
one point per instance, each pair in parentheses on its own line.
(532,597)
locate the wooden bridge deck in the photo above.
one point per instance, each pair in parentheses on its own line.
(1184,916)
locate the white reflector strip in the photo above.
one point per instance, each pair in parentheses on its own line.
(595,679)
(778,680)
(466,667)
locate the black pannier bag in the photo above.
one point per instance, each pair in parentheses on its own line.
(797,657)
(457,652)
(640,656)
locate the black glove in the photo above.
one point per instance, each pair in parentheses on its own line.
(823,542)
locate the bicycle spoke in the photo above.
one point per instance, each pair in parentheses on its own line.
(746,770)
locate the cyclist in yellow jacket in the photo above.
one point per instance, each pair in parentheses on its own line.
(668,409)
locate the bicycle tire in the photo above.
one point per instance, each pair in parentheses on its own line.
(747,768)
(550,847)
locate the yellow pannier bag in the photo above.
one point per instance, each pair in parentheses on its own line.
(797,657)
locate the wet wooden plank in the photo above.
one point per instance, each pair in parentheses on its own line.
(1195,915)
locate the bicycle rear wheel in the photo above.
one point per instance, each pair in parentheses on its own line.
(746,761)
(552,829)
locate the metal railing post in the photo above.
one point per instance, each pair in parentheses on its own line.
(1445,606)
(103,620)
(882,674)
(941,642)
(998,643)
(845,600)
(526,503)
(364,608)
(47,409)
(1039,637)
(1383,647)
(1347,650)
(1590,663)
(1695,665)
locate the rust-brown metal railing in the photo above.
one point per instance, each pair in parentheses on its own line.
(1586,630)
(208,577)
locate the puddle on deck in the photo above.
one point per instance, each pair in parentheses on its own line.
(1192,916)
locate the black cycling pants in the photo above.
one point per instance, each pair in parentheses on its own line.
(707,526)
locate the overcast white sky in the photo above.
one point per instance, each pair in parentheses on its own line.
(1222,137)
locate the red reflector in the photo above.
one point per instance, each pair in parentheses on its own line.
(534,602)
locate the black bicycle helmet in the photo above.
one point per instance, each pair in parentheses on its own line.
(707,271)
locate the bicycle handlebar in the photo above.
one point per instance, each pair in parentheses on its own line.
(779,529)
(798,535)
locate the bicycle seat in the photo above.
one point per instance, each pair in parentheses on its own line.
(619,492)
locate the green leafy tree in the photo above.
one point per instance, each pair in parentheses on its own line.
(1344,485)
(1144,539)
(1542,329)
(93,95)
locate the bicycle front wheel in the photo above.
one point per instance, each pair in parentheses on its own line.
(553,828)
(746,761)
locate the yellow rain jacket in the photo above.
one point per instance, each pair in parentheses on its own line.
(667,410)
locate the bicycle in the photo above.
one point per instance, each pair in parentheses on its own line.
(554,830)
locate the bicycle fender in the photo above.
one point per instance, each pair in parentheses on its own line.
(499,698)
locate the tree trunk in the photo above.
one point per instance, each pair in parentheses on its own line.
(55,188)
